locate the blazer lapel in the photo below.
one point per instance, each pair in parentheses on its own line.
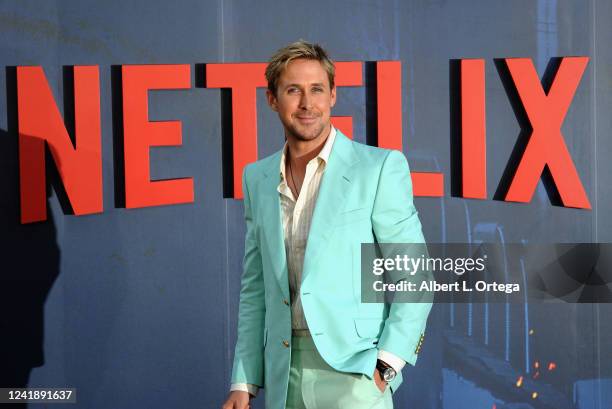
(335,185)
(272,222)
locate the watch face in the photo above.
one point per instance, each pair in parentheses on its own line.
(389,374)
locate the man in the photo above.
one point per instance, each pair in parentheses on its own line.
(303,332)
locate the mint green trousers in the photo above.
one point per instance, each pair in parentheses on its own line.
(313,384)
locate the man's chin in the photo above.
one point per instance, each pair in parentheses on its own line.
(307,134)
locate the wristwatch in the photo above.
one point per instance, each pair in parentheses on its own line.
(387,373)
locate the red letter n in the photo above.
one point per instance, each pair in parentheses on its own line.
(39,121)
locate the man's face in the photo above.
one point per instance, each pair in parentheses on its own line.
(303,99)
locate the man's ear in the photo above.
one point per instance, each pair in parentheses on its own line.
(272,100)
(333,96)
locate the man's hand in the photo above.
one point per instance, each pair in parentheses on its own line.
(380,382)
(237,400)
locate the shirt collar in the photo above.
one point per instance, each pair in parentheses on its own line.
(323,154)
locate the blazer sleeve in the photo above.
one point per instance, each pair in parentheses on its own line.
(248,366)
(395,220)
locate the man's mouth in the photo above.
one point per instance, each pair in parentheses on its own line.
(306,119)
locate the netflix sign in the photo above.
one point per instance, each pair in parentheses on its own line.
(540,152)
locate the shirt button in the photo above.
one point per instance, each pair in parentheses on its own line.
(286,302)
(286,344)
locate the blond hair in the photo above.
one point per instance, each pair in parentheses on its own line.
(299,49)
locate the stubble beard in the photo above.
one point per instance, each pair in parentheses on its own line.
(308,133)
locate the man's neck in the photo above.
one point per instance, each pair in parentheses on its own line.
(301,152)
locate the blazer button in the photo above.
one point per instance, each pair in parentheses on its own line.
(286,302)
(286,344)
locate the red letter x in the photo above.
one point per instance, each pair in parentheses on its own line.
(546,147)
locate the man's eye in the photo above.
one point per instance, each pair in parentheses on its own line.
(317,89)
(292,90)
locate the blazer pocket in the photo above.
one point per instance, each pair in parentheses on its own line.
(368,327)
(344,211)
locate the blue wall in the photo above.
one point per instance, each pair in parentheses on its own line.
(137,308)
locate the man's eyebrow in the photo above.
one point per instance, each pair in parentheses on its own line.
(320,84)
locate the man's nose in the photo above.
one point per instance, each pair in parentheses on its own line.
(306,100)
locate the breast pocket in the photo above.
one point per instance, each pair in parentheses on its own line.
(352,216)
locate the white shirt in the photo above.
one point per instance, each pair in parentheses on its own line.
(297,218)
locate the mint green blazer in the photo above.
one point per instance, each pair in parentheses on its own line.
(365,196)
